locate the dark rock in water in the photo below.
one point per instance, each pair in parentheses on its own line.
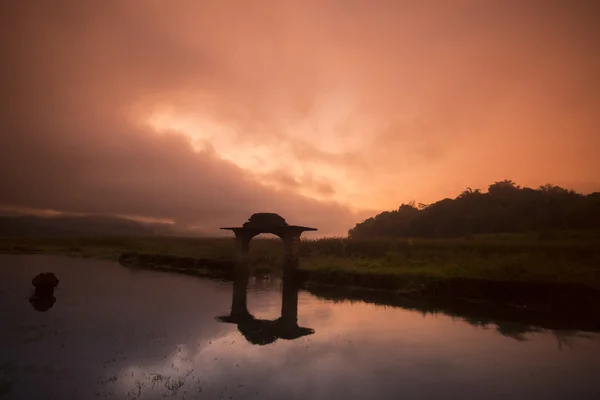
(45,283)
(42,303)
(265,219)
(45,280)
(43,299)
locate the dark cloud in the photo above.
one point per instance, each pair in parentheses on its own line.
(69,144)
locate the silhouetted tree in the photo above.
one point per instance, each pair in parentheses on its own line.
(506,207)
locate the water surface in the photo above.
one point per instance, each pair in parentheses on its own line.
(119,333)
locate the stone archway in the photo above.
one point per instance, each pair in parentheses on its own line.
(273,224)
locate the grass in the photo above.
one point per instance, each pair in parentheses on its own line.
(569,258)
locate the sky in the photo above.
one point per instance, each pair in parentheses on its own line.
(325,111)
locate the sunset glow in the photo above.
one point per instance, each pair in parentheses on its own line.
(280,165)
(324,111)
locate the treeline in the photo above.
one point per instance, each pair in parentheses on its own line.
(505,208)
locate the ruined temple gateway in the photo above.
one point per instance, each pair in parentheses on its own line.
(276,225)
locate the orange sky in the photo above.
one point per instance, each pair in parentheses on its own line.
(324,111)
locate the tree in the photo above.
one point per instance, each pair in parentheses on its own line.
(503,187)
(506,207)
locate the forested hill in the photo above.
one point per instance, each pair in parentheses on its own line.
(505,208)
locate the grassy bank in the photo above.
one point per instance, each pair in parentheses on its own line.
(571,258)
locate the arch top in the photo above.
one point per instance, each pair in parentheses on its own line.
(268,223)
(278,230)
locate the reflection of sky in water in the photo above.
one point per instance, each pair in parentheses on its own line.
(118,333)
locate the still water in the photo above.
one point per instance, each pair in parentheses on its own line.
(119,333)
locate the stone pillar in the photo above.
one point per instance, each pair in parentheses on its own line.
(239,302)
(239,306)
(289,303)
(289,295)
(291,243)
(243,249)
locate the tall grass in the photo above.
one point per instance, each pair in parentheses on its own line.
(570,257)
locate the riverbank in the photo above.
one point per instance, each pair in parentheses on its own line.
(554,305)
(560,275)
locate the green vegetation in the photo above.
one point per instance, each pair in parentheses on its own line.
(505,207)
(564,257)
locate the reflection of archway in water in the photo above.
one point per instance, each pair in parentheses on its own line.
(259,331)
(262,331)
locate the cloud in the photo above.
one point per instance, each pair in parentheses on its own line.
(204,112)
